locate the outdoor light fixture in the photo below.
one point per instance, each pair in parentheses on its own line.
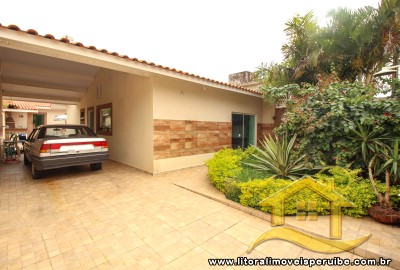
(387,70)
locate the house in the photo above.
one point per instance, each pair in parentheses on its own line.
(155,118)
(22,116)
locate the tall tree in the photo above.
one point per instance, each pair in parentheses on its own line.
(381,30)
(341,45)
(354,44)
(301,52)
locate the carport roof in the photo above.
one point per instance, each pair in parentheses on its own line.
(93,48)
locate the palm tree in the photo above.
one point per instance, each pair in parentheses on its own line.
(301,53)
(354,44)
(379,37)
(339,44)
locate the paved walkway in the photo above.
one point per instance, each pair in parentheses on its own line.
(121,218)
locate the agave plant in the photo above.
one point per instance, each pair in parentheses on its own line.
(369,141)
(276,157)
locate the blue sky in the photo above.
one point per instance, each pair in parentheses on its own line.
(211,38)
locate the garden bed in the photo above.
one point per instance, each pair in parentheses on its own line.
(228,171)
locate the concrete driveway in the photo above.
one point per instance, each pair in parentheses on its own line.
(121,218)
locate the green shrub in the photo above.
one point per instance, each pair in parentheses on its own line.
(362,195)
(232,190)
(248,173)
(253,192)
(224,165)
(347,182)
(227,165)
(243,184)
(357,190)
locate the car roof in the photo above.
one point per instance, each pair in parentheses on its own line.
(61,125)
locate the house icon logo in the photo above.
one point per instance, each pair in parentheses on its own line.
(333,244)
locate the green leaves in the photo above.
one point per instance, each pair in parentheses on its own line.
(369,141)
(354,44)
(277,157)
(325,119)
(225,164)
(391,160)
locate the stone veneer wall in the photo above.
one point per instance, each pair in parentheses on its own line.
(176,138)
(264,130)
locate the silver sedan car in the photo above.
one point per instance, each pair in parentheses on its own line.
(57,146)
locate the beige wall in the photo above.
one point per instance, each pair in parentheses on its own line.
(137,101)
(20,119)
(131,96)
(268,113)
(73,113)
(181,100)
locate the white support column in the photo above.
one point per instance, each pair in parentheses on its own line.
(73,114)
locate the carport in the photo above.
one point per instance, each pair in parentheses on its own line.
(169,119)
(43,68)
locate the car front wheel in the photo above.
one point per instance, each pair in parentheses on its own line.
(95,166)
(35,173)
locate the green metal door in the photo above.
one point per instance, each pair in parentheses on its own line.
(38,119)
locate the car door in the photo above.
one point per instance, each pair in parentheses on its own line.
(37,142)
(29,142)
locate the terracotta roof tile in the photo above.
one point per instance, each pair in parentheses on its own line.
(32,32)
(27,105)
(79,44)
(14,27)
(49,36)
(65,40)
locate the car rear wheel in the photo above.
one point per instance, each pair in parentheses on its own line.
(26,161)
(35,173)
(96,166)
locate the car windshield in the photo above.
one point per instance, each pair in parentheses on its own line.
(63,132)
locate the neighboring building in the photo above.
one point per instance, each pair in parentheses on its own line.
(22,116)
(154,118)
(244,79)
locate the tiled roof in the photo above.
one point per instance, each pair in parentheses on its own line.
(27,105)
(65,40)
